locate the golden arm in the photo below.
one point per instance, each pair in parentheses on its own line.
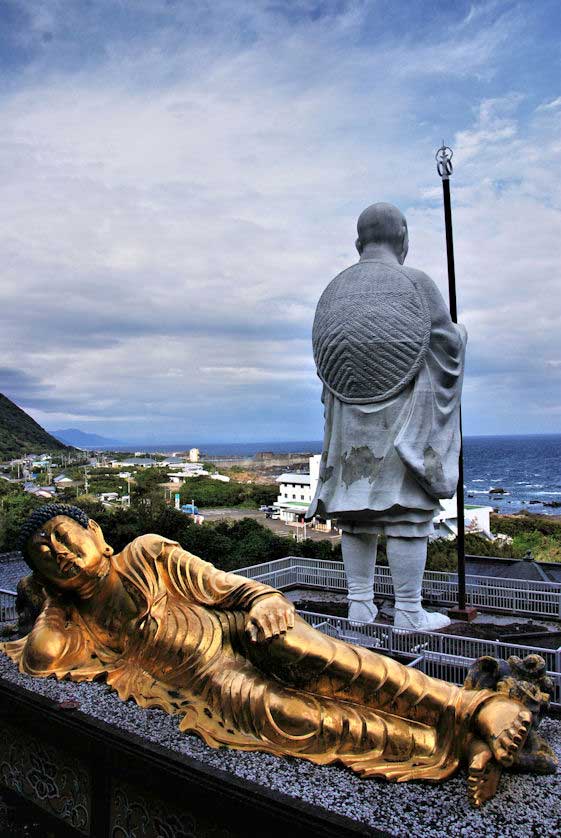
(269,612)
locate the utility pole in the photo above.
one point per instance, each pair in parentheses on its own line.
(445,168)
(86,484)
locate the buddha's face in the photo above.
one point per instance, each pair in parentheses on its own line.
(64,552)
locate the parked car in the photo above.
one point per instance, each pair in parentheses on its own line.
(189,509)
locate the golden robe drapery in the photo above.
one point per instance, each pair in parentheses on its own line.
(302,694)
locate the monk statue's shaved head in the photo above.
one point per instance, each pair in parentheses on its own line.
(382,224)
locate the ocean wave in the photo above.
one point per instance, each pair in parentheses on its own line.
(542,493)
(488,492)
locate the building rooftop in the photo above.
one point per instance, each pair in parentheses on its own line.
(294,477)
(527,571)
(137,461)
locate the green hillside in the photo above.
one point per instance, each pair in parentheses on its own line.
(20,434)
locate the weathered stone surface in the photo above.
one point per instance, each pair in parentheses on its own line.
(391,361)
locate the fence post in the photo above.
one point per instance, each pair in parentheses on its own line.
(557,698)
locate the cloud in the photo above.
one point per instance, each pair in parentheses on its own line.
(550,106)
(179,182)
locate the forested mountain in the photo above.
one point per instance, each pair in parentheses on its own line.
(20,434)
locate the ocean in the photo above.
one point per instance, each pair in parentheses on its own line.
(527,467)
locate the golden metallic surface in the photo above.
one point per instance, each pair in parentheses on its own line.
(231,658)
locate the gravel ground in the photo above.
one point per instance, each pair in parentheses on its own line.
(525,806)
(275,525)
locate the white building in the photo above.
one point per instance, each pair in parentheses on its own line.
(297,491)
(108,496)
(476,519)
(63,482)
(194,455)
(194,470)
(135,462)
(180,477)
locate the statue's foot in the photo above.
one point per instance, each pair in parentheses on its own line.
(504,725)
(484,773)
(420,620)
(362,612)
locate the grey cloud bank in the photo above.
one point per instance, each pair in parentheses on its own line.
(177,188)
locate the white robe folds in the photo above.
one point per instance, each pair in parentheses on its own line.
(385,465)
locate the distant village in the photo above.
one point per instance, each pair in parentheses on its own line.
(108,476)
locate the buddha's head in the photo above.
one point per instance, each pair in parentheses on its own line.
(64,547)
(383,225)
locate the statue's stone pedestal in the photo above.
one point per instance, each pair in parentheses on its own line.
(91,779)
(465,615)
(138,777)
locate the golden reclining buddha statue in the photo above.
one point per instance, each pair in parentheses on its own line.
(231,658)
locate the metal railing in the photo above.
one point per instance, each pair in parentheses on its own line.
(12,556)
(515,596)
(8,611)
(443,656)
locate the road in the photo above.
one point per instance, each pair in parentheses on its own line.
(278,527)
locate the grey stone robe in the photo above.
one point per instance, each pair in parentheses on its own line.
(386,464)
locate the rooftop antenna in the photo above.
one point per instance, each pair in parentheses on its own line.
(445,169)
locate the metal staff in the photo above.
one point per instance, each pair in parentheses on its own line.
(444,168)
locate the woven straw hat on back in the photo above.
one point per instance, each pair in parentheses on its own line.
(371,332)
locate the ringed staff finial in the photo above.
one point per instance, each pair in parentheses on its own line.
(443,159)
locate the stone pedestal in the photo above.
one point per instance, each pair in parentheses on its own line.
(465,615)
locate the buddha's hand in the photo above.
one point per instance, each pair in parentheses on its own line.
(270,617)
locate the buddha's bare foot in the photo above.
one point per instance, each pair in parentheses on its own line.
(504,725)
(484,773)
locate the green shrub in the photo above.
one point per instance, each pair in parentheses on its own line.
(208,493)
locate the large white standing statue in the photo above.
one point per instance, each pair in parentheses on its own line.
(391,361)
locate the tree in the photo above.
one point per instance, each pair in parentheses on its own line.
(14,509)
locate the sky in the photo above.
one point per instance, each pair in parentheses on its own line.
(179,181)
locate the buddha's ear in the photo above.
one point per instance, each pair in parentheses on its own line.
(94,527)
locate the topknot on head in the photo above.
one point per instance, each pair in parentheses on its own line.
(40,516)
